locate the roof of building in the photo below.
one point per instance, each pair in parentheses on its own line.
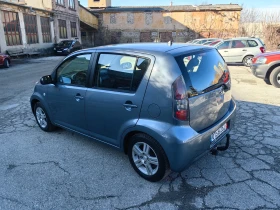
(179,8)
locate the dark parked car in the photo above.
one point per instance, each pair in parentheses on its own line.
(267,67)
(164,105)
(66,47)
(5,60)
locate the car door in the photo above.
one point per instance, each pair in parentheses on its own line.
(66,98)
(238,50)
(114,102)
(223,49)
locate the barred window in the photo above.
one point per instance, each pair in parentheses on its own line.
(46,30)
(148,18)
(73,29)
(11,28)
(72,4)
(62,29)
(130,18)
(31,31)
(61,2)
(113,19)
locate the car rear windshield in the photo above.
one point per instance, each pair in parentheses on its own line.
(202,69)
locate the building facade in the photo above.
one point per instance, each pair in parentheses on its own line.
(25,26)
(164,23)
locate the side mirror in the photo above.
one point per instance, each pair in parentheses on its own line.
(45,80)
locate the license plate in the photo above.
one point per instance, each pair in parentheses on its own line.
(218,133)
(59,51)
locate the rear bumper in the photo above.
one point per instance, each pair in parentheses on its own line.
(188,145)
(259,70)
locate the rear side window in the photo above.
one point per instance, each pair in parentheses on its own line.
(120,72)
(252,43)
(238,44)
(202,70)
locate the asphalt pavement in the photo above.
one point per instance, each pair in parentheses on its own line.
(64,170)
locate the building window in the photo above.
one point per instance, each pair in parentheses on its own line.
(11,28)
(62,29)
(167,20)
(130,18)
(31,31)
(113,19)
(72,4)
(46,30)
(148,18)
(96,0)
(60,2)
(73,29)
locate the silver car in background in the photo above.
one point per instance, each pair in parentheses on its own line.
(240,50)
(164,105)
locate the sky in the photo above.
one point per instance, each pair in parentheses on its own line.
(245,3)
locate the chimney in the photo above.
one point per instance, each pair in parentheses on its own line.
(171,3)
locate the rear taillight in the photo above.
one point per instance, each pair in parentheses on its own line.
(180,99)
(226,76)
(262,49)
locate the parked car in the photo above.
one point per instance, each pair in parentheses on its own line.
(202,41)
(66,47)
(164,105)
(5,60)
(240,50)
(267,67)
(213,42)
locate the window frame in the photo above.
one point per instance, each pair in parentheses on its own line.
(12,33)
(89,70)
(73,29)
(46,29)
(31,28)
(72,4)
(60,2)
(94,80)
(59,29)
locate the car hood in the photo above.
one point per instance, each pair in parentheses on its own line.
(269,53)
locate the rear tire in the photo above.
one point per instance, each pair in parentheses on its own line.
(42,118)
(274,77)
(247,61)
(6,63)
(147,157)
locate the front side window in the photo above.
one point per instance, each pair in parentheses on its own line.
(11,28)
(73,29)
(224,45)
(120,72)
(62,29)
(30,23)
(61,2)
(238,44)
(46,29)
(71,4)
(74,71)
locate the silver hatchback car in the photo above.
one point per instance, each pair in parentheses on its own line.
(164,105)
(240,50)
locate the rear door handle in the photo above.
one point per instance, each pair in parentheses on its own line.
(244,50)
(225,51)
(128,105)
(79,97)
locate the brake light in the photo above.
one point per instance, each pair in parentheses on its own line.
(226,76)
(180,99)
(262,49)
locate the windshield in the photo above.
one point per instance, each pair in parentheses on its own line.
(203,69)
(65,43)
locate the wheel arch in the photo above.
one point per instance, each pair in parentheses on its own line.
(271,69)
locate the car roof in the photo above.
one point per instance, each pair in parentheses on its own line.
(152,48)
(242,38)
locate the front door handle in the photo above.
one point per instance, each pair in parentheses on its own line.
(79,97)
(244,50)
(225,51)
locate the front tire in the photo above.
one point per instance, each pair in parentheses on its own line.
(6,63)
(247,61)
(147,157)
(274,77)
(42,118)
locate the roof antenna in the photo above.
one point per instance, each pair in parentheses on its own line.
(170,43)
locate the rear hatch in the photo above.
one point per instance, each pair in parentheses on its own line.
(207,79)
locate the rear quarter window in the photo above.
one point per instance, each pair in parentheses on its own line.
(203,69)
(252,43)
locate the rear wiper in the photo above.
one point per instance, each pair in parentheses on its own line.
(212,87)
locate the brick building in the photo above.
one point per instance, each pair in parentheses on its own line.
(163,23)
